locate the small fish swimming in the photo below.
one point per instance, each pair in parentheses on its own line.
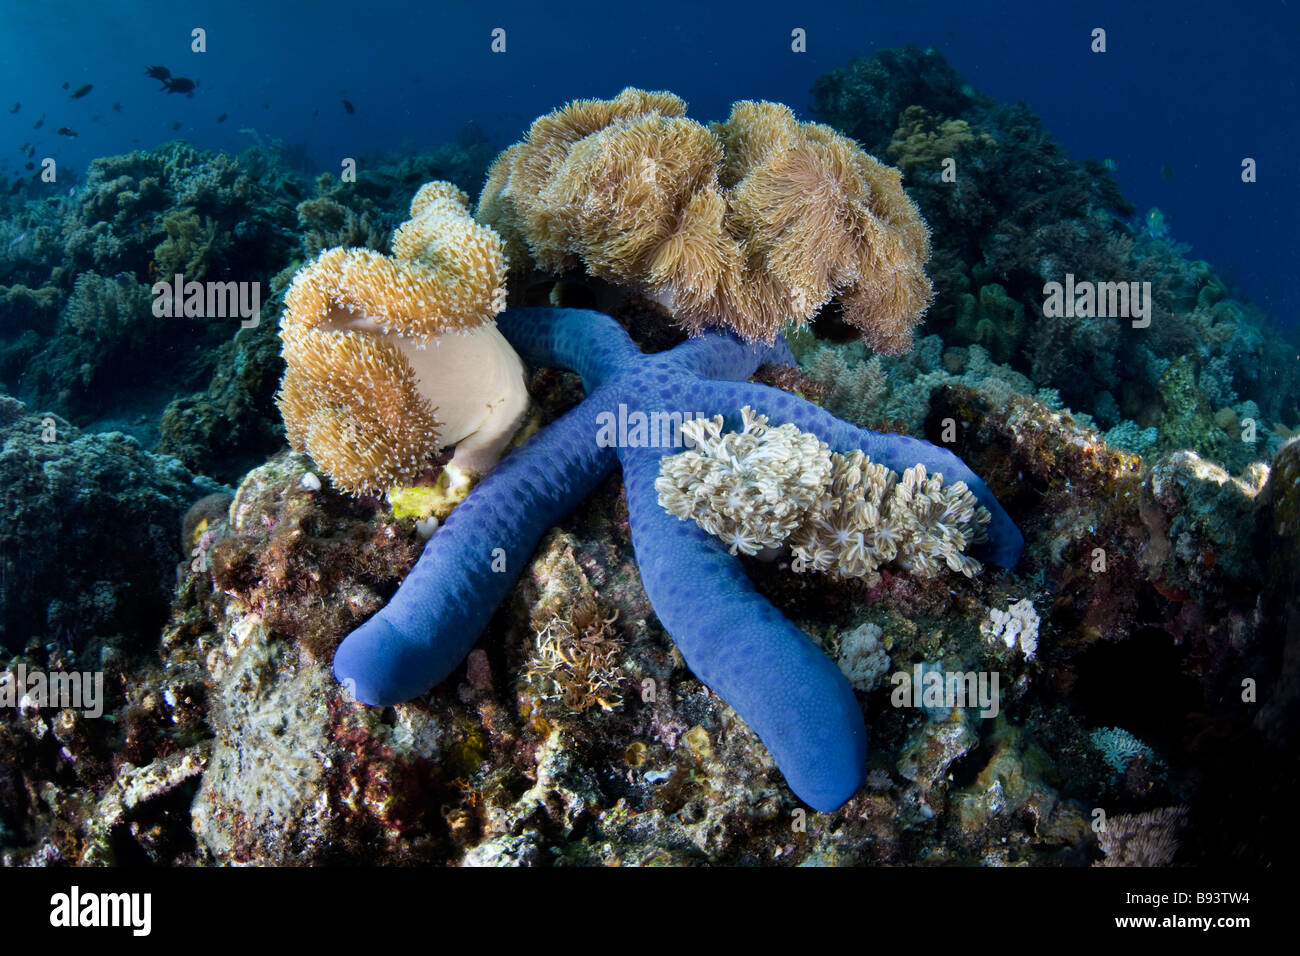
(176,125)
(222,118)
(81,91)
(31,151)
(181,85)
(316,112)
(159,73)
(65,85)
(117,107)
(1166,172)
(29,165)
(64,131)
(349,107)
(15,109)
(1110,164)
(39,123)
(1156,225)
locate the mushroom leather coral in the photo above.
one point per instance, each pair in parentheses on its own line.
(391,358)
(790,693)
(747,225)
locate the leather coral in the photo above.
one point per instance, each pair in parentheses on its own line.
(746,225)
(391,358)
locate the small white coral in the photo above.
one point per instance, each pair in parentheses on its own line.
(1018,624)
(845,515)
(750,488)
(869,516)
(862,658)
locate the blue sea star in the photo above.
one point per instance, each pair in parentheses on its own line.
(789,692)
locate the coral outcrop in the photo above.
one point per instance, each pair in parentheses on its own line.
(786,690)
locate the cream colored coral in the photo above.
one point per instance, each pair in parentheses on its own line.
(845,515)
(1018,624)
(391,358)
(750,488)
(748,225)
(871,516)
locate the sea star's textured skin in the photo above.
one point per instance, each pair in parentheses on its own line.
(732,638)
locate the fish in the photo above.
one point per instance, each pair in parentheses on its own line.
(117,107)
(64,131)
(316,112)
(176,125)
(222,118)
(81,91)
(349,107)
(159,73)
(29,165)
(39,123)
(65,85)
(180,84)
(31,151)
(15,109)
(1110,164)
(1166,172)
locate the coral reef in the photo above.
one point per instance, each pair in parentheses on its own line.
(88,526)
(1014,213)
(811,723)
(754,223)
(1153,472)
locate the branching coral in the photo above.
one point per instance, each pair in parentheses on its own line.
(766,487)
(1017,625)
(576,660)
(390,358)
(758,221)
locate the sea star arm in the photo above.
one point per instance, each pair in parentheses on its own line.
(780,683)
(899,452)
(589,343)
(470,563)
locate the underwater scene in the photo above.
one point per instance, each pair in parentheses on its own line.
(764,435)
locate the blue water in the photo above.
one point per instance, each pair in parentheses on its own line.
(1194,87)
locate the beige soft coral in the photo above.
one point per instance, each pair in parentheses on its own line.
(391,358)
(748,225)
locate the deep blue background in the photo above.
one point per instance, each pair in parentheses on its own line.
(1193,85)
